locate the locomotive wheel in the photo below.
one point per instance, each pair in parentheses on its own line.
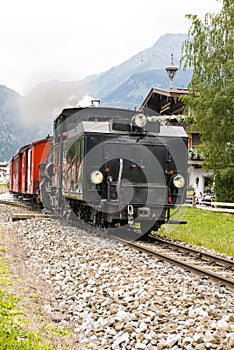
(46,198)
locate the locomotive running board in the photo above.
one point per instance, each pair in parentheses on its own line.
(176,222)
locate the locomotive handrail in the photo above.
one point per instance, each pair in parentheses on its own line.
(139,184)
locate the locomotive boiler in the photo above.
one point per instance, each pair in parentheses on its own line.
(114,168)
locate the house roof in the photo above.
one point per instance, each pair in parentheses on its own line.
(165,101)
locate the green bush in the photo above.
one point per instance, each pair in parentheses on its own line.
(224,185)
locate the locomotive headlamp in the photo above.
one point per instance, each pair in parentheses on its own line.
(178,181)
(140,120)
(96,177)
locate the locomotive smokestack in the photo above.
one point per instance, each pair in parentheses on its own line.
(95,103)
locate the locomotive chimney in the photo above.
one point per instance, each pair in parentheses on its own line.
(95,103)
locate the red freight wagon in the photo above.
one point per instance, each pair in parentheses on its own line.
(17,172)
(39,153)
(11,178)
(24,169)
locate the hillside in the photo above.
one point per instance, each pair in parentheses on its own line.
(8,121)
(26,118)
(14,133)
(103,86)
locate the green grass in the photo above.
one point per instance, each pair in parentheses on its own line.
(13,333)
(204,228)
(15,330)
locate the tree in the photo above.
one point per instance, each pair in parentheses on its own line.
(224,189)
(209,50)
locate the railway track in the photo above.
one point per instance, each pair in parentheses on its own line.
(207,265)
(12,201)
(213,267)
(15,202)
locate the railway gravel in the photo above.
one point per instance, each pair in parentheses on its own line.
(113,297)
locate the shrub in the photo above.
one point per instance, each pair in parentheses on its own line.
(224,185)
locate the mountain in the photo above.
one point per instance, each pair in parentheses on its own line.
(156,57)
(133,91)
(103,85)
(27,118)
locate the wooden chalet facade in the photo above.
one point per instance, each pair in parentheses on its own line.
(167,102)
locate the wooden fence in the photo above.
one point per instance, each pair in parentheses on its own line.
(214,206)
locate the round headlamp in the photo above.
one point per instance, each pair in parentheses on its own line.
(178,181)
(96,177)
(140,120)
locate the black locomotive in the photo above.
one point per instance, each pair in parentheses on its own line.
(117,169)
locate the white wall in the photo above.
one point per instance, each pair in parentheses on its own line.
(201,174)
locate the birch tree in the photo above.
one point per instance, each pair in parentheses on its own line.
(209,50)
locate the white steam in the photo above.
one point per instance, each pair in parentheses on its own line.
(47,100)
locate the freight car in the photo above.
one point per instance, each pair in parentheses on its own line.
(115,169)
(25,172)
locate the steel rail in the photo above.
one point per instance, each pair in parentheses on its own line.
(13,203)
(200,254)
(18,204)
(192,268)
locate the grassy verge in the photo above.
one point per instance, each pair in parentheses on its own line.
(204,228)
(17,332)
(13,332)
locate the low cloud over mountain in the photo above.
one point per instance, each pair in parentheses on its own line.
(26,118)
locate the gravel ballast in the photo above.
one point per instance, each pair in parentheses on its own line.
(113,297)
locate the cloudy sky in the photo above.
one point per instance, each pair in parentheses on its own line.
(70,39)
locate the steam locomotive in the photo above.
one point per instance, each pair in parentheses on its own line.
(114,168)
